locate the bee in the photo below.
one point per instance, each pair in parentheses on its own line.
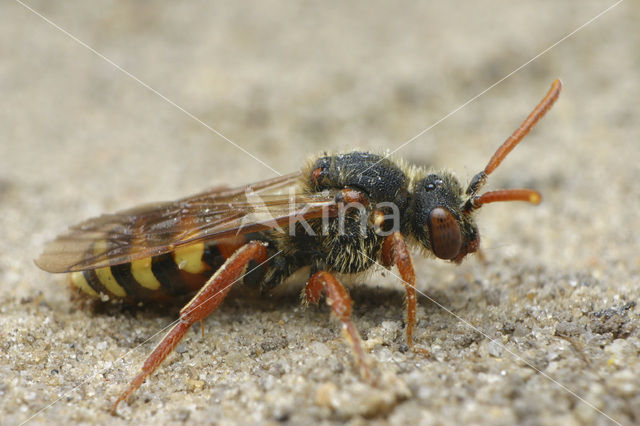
(342,214)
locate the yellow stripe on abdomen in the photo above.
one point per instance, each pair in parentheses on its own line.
(79,281)
(189,258)
(109,282)
(141,271)
(104,275)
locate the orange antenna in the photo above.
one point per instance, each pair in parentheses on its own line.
(538,112)
(525,127)
(528,195)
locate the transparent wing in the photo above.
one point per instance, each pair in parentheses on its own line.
(155,229)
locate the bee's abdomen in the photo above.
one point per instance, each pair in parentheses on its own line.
(160,278)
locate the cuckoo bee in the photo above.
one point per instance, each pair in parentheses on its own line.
(260,235)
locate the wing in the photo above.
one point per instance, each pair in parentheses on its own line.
(155,229)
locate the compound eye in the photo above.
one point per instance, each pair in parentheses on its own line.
(446,238)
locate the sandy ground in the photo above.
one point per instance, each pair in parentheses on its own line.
(544,331)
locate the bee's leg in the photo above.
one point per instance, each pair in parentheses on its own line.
(340,303)
(206,301)
(396,252)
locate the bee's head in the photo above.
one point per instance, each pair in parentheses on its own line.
(442,214)
(441,217)
(439,221)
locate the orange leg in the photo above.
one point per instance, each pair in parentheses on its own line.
(206,301)
(396,252)
(340,303)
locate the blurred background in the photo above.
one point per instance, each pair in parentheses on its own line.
(282,81)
